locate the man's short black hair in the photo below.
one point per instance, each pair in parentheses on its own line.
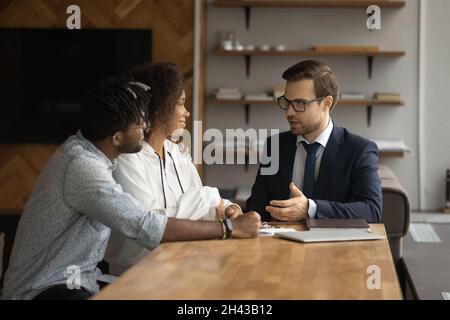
(112,105)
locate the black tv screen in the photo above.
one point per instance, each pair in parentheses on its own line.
(44,74)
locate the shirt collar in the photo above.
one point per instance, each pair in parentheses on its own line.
(147,148)
(92,148)
(323,137)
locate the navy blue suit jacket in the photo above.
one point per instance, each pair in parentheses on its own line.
(347,186)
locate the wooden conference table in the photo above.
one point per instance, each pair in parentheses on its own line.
(259,268)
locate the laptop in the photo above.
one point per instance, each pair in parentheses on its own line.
(330,235)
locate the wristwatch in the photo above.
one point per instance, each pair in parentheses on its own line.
(229,227)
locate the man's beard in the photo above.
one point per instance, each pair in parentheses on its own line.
(131,148)
(305,129)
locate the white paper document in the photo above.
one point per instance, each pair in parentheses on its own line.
(267,232)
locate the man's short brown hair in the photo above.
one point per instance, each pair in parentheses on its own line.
(325,81)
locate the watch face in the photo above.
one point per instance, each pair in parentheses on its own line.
(229,224)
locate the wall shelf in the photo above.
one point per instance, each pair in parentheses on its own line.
(250,152)
(248,4)
(392,154)
(368,103)
(308,53)
(309,4)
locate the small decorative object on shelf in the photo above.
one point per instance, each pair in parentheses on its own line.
(447,193)
(391,97)
(228,40)
(280,47)
(227,45)
(392,147)
(228,94)
(352,96)
(259,97)
(238,46)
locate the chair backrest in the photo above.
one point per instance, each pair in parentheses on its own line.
(396,210)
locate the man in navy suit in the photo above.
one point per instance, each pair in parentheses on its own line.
(324,171)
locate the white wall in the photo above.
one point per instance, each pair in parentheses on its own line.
(436,107)
(300,28)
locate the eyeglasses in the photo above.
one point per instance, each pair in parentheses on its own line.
(299,105)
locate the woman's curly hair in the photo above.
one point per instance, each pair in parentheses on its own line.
(166,84)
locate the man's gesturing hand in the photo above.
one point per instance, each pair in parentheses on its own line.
(293,209)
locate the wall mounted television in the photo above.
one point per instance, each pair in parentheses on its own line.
(44,74)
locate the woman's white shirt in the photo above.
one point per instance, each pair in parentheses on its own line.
(172,186)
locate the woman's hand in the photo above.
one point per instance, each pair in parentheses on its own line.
(220,214)
(233,211)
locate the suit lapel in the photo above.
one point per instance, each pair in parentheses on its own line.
(330,157)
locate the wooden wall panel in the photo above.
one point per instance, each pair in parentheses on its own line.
(172,23)
(20,166)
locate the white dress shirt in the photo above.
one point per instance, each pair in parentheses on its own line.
(172,187)
(300,160)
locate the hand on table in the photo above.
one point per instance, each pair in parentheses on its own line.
(246,225)
(233,211)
